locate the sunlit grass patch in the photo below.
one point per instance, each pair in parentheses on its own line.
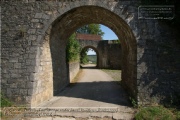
(155,113)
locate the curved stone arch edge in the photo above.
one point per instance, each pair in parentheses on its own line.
(48,27)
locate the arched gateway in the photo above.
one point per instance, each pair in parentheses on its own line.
(39,68)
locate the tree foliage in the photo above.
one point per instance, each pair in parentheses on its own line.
(91,29)
(72,49)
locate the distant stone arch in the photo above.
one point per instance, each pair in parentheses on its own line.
(96,51)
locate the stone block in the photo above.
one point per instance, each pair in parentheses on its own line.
(5,76)
(31,56)
(32,37)
(29,85)
(21,84)
(23,92)
(28,99)
(34,20)
(38,15)
(17,65)
(15,91)
(14,60)
(38,25)
(30,92)
(47,17)
(32,31)
(13,85)
(15,75)
(39,38)
(9,92)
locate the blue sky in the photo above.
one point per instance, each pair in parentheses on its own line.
(108,35)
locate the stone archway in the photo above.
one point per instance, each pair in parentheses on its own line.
(96,51)
(67,23)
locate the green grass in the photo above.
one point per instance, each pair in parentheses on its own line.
(5,102)
(155,113)
(178,115)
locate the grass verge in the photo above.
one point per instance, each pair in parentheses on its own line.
(156,113)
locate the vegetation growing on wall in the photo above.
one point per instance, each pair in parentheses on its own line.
(72,49)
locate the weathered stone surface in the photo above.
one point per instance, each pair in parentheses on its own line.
(73,70)
(35,32)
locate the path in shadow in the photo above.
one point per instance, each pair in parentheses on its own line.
(103,91)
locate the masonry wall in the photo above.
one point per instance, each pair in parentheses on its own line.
(159,65)
(73,70)
(33,55)
(111,54)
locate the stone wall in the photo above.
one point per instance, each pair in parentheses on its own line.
(159,65)
(73,70)
(34,37)
(109,52)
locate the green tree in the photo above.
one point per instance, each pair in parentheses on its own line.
(91,29)
(72,49)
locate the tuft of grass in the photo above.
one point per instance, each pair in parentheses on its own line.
(178,115)
(154,113)
(133,102)
(5,102)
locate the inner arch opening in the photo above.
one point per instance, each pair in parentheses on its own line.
(89,60)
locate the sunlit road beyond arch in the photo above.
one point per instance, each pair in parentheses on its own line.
(94,88)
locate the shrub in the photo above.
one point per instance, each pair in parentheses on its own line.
(72,49)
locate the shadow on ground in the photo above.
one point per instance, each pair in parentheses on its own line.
(103,91)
